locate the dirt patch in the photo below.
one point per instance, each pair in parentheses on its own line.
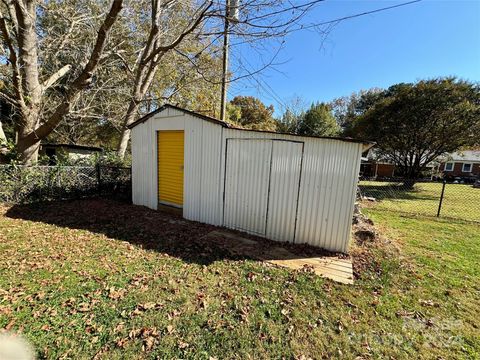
(368,248)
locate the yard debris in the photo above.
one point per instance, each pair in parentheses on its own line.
(183,345)
(365,238)
(430,303)
(114,293)
(149,306)
(363,229)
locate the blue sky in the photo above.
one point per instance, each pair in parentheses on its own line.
(422,40)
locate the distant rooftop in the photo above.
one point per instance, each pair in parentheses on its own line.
(466,155)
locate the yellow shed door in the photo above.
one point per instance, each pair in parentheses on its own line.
(170,167)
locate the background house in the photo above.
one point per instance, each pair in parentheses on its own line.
(68,153)
(462,164)
(373,166)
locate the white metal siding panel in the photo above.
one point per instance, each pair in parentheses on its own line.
(246,184)
(192,167)
(144,155)
(211,197)
(327,188)
(283,194)
(203,198)
(327,193)
(138,166)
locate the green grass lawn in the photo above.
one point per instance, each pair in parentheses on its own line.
(460,201)
(96,278)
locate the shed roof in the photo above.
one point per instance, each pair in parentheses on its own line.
(226,125)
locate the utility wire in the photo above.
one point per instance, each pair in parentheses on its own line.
(348,17)
(356,15)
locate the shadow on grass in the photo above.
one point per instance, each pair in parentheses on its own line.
(152,230)
(395,192)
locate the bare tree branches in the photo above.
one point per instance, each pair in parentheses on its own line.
(85,76)
(59,63)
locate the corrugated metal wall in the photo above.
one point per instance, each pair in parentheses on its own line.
(284,185)
(203,193)
(203,196)
(247,184)
(327,193)
(310,183)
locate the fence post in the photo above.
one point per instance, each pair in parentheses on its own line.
(441,198)
(99,179)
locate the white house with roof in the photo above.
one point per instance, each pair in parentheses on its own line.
(461,164)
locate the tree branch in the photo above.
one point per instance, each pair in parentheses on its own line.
(179,39)
(55,77)
(12,58)
(84,78)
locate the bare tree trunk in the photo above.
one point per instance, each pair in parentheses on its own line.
(28,91)
(28,63)
(3,144)
(125,136)
(3,137)
(28,153)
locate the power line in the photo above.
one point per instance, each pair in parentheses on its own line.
(348,17)
(270,91)
(356,15)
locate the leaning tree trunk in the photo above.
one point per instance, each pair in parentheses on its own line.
(3,137)
(125,136)
(143,81)
(28,152)
(3,144)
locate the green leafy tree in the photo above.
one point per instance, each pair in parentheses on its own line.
(290,121)
(413,124)
(293,115)
(347,109)
(234,113)
(318,121)
(254,114)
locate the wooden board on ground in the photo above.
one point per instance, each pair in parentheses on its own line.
(331,267)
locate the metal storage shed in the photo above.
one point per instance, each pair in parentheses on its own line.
(283,187)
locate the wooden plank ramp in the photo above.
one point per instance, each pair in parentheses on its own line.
(330,267)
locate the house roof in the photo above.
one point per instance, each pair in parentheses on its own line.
(466,155)
(226,125)
(73,146)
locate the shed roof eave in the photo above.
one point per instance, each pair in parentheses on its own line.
(366,143)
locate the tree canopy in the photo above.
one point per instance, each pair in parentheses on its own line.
(318,120)
(251,113)
(414,123)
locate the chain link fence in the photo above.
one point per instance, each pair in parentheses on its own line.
(442,199)
(27,184)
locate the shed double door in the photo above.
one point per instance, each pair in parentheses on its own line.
(261,187)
